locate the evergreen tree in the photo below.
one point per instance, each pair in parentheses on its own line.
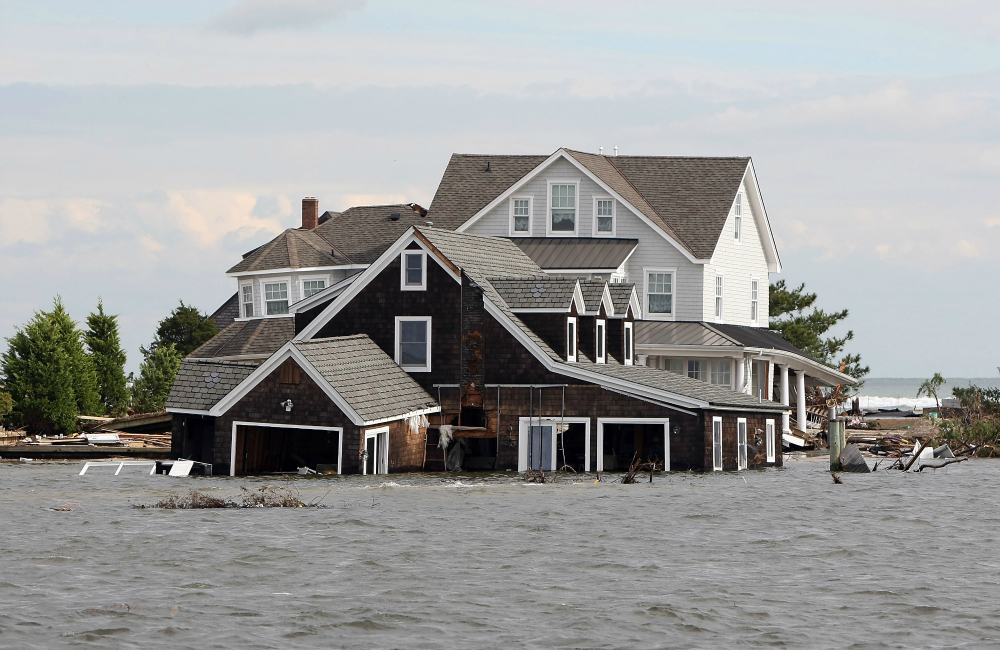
(108,359)
(793,314)
(186,328)
(156,378)
(48,375)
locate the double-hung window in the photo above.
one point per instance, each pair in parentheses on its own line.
(721,372)
(604,217)
(738,218)
(600,342)
(754,293)
(562,217)
(276,297)
(246,299)
(571,339)
(696,369)
(660,293)
(628,344)
(520,216)
(413,343)
(309,287)
(413,270)
(718,296)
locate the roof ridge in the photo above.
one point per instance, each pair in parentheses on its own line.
(291,244)
(264,250)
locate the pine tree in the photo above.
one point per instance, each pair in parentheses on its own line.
(48,375)
(108,359)
(156,378)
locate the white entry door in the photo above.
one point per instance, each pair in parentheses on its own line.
(741,443)
(375,457)
(717,443)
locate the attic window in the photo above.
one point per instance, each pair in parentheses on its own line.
(309,287)
(288,373)
(413,270)
(563,208)
(600,341)
(738,217)
(520,216)
(628,343)
(604,216)
(571,339)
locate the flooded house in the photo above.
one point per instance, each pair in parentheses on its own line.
(546,312)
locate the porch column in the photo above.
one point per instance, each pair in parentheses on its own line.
(785,417)
(800,398)
(740,378)
(640,359)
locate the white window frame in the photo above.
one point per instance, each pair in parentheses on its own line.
(531,216)
(548,209)
(719,301)
(629,343)
(614,215)
(711,371)
(571,320)
(742,460)
(738,218)
(755,300)
(312,278)
(399,355)
(717,444)
(253,304)
(601,340)
(704,371)
(403,286)
(770,439)
(381,435)
(263,294)
(649,315)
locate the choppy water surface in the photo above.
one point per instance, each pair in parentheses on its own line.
(776,557)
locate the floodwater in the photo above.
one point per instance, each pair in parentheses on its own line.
(762,558)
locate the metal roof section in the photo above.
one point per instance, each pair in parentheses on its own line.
(669,333)
(594,254)
(201,383)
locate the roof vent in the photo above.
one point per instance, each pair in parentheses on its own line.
(488,166)
(429,223)
(394,216)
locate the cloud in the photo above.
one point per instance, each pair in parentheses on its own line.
(35,221)
(209,216)
(252,16)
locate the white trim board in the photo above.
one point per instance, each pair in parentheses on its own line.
(241,423)
(523,441)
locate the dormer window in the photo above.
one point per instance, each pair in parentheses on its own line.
(413,269)
(309,287)
(276,297)
(571,339)
(562,213)
(604,217)
(520,216)
(738,217)
(246,298)
(628,344)
(601,358)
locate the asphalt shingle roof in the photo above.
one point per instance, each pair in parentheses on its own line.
(201,383)
(227,313)
(483,257)
(621,293)
(550,293)
(295,248)
(363,233)
(259,337)
(593,292)
(592,253)
(368,379)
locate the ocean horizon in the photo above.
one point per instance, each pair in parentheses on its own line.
(884,392)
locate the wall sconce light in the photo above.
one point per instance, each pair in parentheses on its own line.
(677,430)
(287,404)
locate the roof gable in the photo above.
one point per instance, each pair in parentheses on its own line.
(471,181)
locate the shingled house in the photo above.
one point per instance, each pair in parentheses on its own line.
(524,371)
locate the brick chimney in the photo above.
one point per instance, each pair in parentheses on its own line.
(310,213)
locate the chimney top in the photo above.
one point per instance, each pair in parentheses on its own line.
(310,213)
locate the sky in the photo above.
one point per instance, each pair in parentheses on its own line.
(145,146)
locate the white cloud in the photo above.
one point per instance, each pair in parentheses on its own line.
(252,16)
(208,215)
(24,221)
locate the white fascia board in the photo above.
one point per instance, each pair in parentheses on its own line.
(581,305)
(297,269)
(581,271)
(763,223)
(305,303)
(692,351)
(541,310)
(609,304)
(287,351)
(573,161)
(186,411)
(633,301)
(807,365)
(576,370)
(365,277)
(270,317)
(403,416)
